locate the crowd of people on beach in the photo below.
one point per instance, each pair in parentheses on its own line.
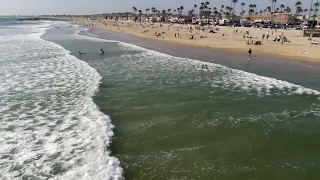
(208,35)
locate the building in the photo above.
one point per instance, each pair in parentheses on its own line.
(231,18)
(203,14)
(318,19)
(280,18)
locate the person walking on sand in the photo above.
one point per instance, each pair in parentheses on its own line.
(249,53)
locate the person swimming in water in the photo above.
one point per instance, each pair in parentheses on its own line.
(81,52)
(101,51)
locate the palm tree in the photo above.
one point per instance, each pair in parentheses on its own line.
(134,9)
(298,3)
(147,11)
(281,7)
(310,10)
(205,7)
(251,11)
(181,9)
(153,10)
(169,12)
(298,7)
(273,4)
(234,3)
(174,11)
(269,9)
(305,11)
(202,4)
(140,14)
(277,10)
(194,9)
(222,6)
(299,10)
(254,6)
(316,9)
(229,9)
(242,6)
(216,13)
(163,15)
(287,10)
(261,12)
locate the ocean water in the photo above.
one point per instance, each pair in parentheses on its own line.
(138,114)
(50,127)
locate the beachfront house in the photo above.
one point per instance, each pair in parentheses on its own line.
(279,18)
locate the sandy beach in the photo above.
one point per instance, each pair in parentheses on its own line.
(225,38)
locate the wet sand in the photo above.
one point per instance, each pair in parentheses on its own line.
(292,70)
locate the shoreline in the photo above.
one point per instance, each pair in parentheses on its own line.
(291,70)
(233,44)
(226,49)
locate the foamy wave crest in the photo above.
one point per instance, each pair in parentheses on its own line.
(79,36)
(50,127)
(224,77)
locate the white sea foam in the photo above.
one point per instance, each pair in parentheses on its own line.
(94,38)
(233,79)
(50,127)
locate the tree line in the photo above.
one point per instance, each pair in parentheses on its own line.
(228,10)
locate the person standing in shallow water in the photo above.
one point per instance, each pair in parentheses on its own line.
(249,53)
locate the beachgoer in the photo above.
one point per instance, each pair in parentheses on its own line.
(249,53)
(101,51)
(81,52)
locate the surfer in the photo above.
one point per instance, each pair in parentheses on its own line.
(101,51)
(81,52)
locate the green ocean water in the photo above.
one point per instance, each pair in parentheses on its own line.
(174,120)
